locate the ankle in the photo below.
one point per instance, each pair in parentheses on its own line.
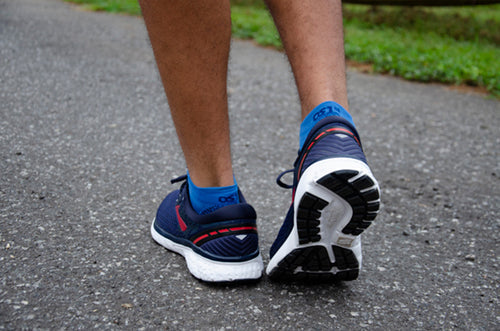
(325,109)
(208,199)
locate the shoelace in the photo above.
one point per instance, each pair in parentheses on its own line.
(281,183)
(278,180)
(179,179)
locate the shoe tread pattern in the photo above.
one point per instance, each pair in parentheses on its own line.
(312,264)
(308,214)
(360,194)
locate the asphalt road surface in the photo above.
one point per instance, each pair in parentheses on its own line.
(88,148)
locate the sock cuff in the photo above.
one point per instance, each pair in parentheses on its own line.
(208,199)
(325,109)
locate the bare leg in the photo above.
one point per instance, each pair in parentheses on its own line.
(191,41)
(312,34)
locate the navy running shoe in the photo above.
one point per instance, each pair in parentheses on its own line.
(221,246)
(335,198)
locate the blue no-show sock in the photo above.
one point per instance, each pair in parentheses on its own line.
(325,109)
(208,199)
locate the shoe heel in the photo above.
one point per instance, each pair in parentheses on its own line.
(209,270)
(338,198)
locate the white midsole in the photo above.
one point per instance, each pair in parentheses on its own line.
(334,217)
(210,270)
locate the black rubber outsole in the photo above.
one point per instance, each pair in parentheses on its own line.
(363,200)
(316,265)
(313,262)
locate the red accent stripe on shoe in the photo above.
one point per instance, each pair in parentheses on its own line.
(343,130)
(221,231)
(200,238)
(243,228)
(180,220)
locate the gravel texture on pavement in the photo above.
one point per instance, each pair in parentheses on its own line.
(88,148)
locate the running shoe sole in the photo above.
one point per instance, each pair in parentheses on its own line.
(209,270)
(335,201)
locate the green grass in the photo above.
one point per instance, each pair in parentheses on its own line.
(130,7)
(454,45)
(449,45)
(254,23)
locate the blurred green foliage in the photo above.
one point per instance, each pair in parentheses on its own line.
(457,45)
